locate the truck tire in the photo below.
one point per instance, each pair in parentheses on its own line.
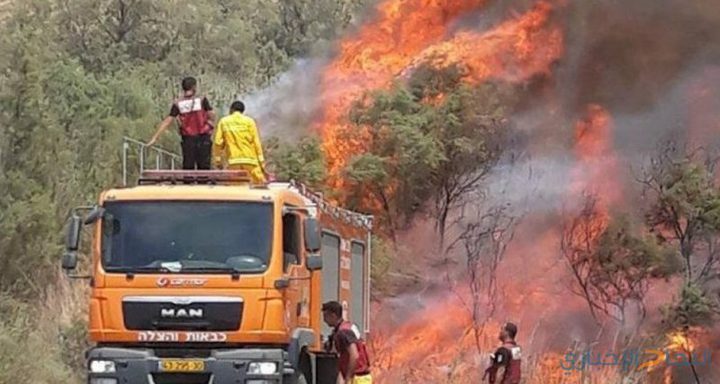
(298,378)
(305,365)
(303,375)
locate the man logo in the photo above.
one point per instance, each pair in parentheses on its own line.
(181,313)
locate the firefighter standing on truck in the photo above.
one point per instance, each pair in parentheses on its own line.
(196,117)
(507,357)
(237,143)
(354,361)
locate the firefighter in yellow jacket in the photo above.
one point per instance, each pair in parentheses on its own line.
(237,144)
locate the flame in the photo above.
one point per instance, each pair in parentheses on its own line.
(597,167)
(407,33)
(514,51)
(594,173)
(424,349)
(372,58)
(680,341)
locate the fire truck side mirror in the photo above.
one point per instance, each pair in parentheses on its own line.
(72,241)
(69,261)
(312,235)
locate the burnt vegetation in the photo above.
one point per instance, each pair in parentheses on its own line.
(78,76)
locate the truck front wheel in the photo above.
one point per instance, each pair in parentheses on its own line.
(303,374)
(305,366)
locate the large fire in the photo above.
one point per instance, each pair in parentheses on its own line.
(404,35)
(449,347)
(372,58)
(597,169)
(412,32)
(515,50)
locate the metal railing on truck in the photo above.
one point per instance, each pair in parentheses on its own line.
(138,157)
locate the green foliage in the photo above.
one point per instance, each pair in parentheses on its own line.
(685,212)
(613,263)
(693,307)
(623,264)
(248,42)
(302,161)
(686,192)
(432,139)
(401,155)
(623,255)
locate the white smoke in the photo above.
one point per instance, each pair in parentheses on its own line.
(286,108)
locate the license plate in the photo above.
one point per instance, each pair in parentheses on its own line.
(182,365)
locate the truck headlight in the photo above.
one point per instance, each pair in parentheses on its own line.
(102,366)
(262,368)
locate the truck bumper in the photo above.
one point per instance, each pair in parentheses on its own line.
(231,366)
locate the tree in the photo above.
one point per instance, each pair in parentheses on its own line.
(684,212)
(684,208)
(611,264)
(302,161)
(432,139)
(396,169)
(484,239)
(626,263)
(472,136)
(693,307)
(305,21)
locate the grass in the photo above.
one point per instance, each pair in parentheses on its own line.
(43,342)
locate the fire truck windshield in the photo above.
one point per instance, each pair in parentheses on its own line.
(186,236)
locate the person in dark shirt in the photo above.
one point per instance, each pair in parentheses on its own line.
(354,361)
(196,117)
(506,357)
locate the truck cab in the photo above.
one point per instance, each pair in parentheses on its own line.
(202,277)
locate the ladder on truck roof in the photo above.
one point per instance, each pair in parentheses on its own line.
(155,165)
(147,158)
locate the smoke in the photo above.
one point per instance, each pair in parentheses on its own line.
(287,107)
(626,55)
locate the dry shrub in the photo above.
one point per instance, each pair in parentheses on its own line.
(44,342)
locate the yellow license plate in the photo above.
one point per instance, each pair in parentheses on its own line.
(182,365)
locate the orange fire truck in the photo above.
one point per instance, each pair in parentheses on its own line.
(202,277)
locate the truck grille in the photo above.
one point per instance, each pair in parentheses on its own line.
(186,313)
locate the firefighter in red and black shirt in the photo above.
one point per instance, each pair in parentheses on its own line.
(507,357)
(195,116)
(346,341)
